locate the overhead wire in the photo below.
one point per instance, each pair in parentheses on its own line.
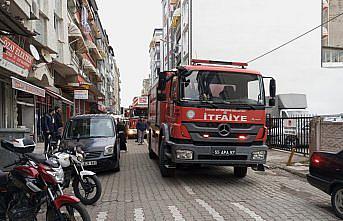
(294,39)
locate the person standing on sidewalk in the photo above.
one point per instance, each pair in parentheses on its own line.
(48,126)
(141,128)
(58,122)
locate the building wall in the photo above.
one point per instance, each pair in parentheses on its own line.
(326,136)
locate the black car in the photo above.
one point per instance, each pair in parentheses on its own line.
(96,134)
(326,173)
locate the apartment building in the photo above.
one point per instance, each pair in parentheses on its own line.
(155,55)
(65,60)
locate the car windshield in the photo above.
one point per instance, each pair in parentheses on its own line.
(90,128)
(222,87)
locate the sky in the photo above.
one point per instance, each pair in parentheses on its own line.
(244,29)
(130,25)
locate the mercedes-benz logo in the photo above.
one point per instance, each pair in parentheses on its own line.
(224,130)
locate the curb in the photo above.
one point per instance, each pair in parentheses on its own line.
(285,168)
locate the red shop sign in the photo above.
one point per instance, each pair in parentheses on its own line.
(17,55)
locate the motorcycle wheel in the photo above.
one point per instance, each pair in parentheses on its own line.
(70,212)
(89,191)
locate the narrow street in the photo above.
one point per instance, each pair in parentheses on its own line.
(138,192)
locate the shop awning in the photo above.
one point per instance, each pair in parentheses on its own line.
(26,87)
(11,25)
(176,17)
(65,100)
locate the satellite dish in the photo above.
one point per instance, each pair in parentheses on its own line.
(34,52)
(46,55)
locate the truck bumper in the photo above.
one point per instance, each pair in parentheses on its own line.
(205,155)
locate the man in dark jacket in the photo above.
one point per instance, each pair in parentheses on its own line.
(141,128)
(48,127)
(58,122)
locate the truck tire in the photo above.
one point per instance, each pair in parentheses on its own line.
(163,161)
(336,199)
(152,155)
(240,172)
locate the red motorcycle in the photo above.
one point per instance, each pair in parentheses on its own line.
(32,182)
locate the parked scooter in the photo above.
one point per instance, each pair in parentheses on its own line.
(32,182)
(86,185)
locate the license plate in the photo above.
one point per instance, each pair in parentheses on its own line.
(90,163)
(224,152)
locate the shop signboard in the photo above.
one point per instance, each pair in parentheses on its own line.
(81,94)
(26,87)
(15,58)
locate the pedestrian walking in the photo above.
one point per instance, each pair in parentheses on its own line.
(48,127)
(141,128)
(122,135)
(58,123)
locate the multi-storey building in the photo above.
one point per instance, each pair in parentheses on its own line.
(155,55)
(65,60)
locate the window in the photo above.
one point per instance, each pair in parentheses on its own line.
(90,128)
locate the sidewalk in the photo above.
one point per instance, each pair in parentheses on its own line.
(279,159)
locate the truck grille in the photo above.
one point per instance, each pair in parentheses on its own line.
(197,130)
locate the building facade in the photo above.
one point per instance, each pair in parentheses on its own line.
(176,46)
(53,53)
(155,55)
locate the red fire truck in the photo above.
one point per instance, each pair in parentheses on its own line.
(139,108)
(211,113)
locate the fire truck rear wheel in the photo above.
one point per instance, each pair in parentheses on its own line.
(163,161)
(240,172)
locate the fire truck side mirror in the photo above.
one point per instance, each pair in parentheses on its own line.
(272,88)
(161,81)
(271,102)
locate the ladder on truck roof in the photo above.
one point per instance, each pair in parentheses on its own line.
(224,63)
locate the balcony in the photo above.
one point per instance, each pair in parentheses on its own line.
(93,50)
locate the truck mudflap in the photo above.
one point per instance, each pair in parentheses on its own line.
(254,156)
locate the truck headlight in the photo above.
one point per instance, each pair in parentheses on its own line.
(259,155)
(184,154)
(109,150)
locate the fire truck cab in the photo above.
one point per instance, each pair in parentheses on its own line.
(211,113)
(139,108)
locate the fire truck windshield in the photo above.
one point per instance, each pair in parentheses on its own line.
(139,113)
(222,87)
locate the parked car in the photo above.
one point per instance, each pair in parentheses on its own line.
(96,133)
(326,173)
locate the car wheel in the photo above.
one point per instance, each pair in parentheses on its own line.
(163,161)
(240,172)
(337,201)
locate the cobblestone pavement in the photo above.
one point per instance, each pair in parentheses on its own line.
(138,192)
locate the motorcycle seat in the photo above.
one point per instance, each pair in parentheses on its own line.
(3,178)
(39,158)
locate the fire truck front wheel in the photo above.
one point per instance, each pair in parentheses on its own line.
(240,172)
(166,169)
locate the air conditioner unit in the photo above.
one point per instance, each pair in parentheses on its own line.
(34,10)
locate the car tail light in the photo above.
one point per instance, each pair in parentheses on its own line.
(315,159)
